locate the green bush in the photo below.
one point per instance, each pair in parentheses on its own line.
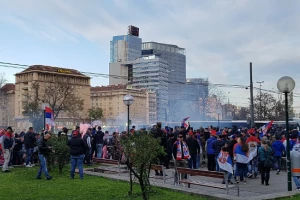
(61,153)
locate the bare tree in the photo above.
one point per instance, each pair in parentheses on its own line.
(210,102)
(59,94)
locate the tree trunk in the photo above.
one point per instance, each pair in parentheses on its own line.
(143,188)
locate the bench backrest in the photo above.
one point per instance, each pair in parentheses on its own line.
(196,172)
(157,167)
(106,161)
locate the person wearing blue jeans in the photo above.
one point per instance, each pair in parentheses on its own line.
(29,153)
(44,150)
(99,150)
(77,161)
(29,142)
(77,152)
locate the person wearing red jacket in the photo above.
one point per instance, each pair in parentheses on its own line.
(252,138)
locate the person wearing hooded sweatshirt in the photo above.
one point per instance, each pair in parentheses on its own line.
(278,148)
(7,144)
(211,162)
(77,152)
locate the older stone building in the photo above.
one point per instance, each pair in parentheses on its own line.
(7,105)
(110,100)
(44,77)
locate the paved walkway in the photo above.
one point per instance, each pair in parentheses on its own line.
(252,190)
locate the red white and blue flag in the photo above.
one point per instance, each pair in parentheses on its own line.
(265,128)
(49,118)
(241,156)
(184,123)
(225,161)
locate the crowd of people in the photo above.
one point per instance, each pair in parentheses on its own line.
(191,148)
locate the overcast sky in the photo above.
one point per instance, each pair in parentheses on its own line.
(220,37)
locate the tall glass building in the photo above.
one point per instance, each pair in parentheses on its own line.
(176,60)
(125,48)
(151,73)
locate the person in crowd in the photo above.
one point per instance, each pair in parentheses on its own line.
(253,143)
(22,133)
(7,145)
(206,134)
(232,142)
(264,152)
(241,152)
(17,151)
(159,134)
(170,143)
(44,150)
(194,150)
(278,148)
(88,141)
(184,131)
(29,141)
(77,153)
(211,162)
(99,142)
(180,152)
(94,148)
(217,146)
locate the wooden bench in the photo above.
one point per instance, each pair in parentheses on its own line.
(109,163)
(211,174)
(159,168)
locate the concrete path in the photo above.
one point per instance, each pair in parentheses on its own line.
(252,190)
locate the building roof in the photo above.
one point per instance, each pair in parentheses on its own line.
(170,45)
(108,88)
(52,70)
(8,87)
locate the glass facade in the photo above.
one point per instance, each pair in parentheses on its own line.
(151,73)
(176,60)
(125,48)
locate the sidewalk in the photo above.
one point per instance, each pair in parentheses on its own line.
(252,190)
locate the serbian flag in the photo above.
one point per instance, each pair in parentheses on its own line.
(242,157)
(184,123)
(265,128)
(49,118)
(225,162)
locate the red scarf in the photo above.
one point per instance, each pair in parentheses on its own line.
(9,135)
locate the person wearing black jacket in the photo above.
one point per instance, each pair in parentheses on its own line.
(98,139)
(29,142)
(44,150)
(77,152)
(194,149)
(158,133)
(17,154)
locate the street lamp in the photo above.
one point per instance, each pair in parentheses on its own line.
(286,85)
(219,112)
(128,100)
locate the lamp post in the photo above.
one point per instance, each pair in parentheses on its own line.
(286,85)
(128,100)
(219,112)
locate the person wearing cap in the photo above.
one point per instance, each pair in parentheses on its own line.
(77,153)
(7,144)
(43,152)
(29,142)
(211,162)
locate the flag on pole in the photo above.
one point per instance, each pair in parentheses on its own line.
(49,118)
(265,128)
(225,161)
(184,123)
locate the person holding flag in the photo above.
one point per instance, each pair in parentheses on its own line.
(225,163)
(49,118)
(242,158)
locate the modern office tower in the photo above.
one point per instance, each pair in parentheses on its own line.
(126,47)
(176,60)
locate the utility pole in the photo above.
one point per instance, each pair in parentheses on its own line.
(260,84)
(251,97)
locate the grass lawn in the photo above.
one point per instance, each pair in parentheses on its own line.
(22,185)
(295,197)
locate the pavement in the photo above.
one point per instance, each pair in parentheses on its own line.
(252,190)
